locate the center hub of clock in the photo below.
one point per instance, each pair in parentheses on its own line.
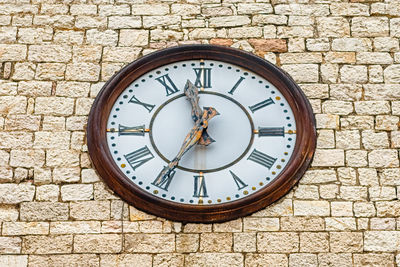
(232,131)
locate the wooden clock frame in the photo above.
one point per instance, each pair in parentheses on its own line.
(128,191)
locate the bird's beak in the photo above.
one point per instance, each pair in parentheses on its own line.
(217,113)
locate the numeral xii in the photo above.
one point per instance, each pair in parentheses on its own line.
(203,77)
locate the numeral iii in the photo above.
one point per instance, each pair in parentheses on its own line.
(271,131)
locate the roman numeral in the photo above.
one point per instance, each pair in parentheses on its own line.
(271,131)
(200,189)
(262,159)
(203,77)
(240,184)
(236,85)
(139,157)
(164,181)
(166,81)
(135,130)
(134,100)
(262,104)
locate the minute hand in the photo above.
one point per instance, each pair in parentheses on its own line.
(191,139)
(192,93)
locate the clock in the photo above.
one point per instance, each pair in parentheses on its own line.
(201,133)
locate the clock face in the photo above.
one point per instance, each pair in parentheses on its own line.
(201,133)
(254,133)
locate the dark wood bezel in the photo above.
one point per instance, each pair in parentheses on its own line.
(127,190)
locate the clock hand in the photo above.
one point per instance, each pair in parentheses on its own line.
(192,138)
(192,93)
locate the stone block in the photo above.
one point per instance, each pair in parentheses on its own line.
(61,244)
(77,260)
(340,224)
(12,52)
(346,241)
(121,54)
(214,259)
(72,89)
(302,73)
(25,228)
(98,243)
(314,242)
(125,259)
(49,53)
(150,9)
(27,158)
(295,223)
(133,37)
(44,211)
(333,27)
(50,71)
(381,241)
(383,158)
(302,259)
(14,260)
(16,193)
(10,245)
(90,210)
(187,242)
(244,242)
(75,227)
(284,242)
(311,208)
(335,259)
(12,104)
(149,243)
(252,224)
(263,259)
(328,157)
(229,21)
(216,242)
(104,38)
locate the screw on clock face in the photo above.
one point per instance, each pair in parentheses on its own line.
(197,135)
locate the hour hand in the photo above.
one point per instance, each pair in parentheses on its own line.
(192,93)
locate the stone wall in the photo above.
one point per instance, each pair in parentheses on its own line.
(55,55)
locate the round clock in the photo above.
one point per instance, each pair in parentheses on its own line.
(201,133)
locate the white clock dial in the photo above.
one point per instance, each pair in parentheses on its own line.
(255,133)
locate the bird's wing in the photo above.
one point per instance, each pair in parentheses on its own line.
(192,93)
(205,139)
